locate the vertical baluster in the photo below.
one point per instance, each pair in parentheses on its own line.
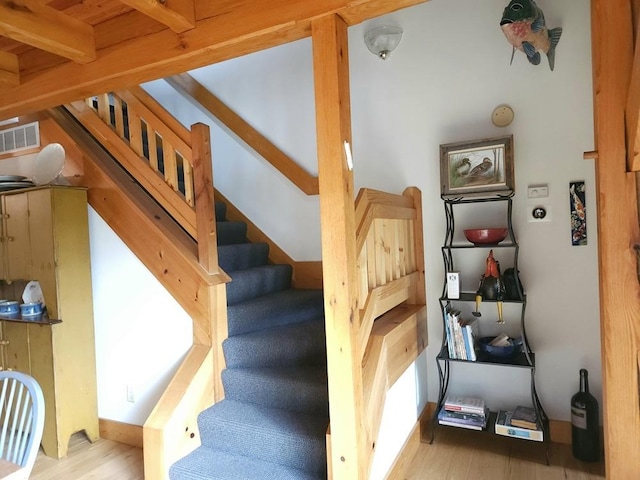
(170,168)
(103,108)
(152,138)
(135,131)
(363,275)
(371,259)
(188,182)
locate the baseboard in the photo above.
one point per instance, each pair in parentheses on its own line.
(121,432)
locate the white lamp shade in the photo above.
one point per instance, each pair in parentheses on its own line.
(381,41)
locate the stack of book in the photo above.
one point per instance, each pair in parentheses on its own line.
(464,412)
(521,423)
(461,335)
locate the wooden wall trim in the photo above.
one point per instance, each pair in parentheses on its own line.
(121,432)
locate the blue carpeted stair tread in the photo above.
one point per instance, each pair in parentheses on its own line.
(230,233)
(281,308)
(275,435)
(211,464)
(257,281)
(220,211)
(297,344)
(272,423)
(299,389)
(242,256)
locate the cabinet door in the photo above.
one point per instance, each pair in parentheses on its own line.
(17,347)
(16,239)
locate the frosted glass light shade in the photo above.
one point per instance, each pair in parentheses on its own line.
(381,41)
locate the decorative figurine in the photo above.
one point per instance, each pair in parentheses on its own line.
(491,286)
(524,26)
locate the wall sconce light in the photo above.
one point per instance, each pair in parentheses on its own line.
(381,41)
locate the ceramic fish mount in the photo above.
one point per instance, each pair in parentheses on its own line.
(524,26)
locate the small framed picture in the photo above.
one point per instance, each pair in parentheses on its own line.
(477,167)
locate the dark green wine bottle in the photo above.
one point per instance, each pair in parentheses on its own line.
(585,425)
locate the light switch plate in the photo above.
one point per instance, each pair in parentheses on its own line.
(537,191)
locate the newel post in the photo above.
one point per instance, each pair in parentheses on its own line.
(203,185)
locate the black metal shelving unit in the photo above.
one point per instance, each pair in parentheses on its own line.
(525,358)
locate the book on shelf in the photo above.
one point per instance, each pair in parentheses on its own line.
(460,335)
(465,404)
(503,427)
(473,421)
(525,417)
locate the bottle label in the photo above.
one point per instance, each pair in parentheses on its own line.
(579,418)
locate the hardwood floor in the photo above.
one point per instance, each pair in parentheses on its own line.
(454,455)
(458,454)
(102,460)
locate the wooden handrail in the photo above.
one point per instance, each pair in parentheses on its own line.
(276,157)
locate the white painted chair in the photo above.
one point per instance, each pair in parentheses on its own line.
(21,424)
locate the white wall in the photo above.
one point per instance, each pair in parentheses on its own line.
(441,85)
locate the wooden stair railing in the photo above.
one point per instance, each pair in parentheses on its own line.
(157,156)
(392,317)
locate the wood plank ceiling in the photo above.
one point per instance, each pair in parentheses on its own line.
(52,52)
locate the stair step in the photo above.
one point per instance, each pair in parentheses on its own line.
(298,344)
(230,233)
(258,281)
(242,256)
(301,389)
(280,308)
(221,211)
(205,463)
(293,439)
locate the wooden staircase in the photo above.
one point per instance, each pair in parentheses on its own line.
(179,224)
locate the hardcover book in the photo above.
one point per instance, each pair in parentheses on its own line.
(466,404)
(503,427)
(524,417)
(460,419)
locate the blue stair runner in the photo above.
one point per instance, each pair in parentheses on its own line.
(272,423)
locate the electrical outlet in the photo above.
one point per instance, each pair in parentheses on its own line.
(539,213)
(131,397)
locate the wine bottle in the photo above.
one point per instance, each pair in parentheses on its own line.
(585,427)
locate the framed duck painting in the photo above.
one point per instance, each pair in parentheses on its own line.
(477,167)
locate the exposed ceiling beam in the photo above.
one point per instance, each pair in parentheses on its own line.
(9,69)
(34,23)
(237,27)
(178,15)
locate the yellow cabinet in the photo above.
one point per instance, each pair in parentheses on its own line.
(45,237)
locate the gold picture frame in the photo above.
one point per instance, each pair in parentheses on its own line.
(477,167)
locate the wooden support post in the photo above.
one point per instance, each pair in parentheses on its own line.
(337,215)
(205,211)
(617,233)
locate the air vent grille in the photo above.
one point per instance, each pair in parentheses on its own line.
(19,138)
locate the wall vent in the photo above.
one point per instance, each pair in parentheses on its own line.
(20,138)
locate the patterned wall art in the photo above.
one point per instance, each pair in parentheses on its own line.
(578,208)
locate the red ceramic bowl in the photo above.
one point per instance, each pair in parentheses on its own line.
(485,236)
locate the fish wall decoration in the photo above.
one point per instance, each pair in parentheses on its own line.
(524,26)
